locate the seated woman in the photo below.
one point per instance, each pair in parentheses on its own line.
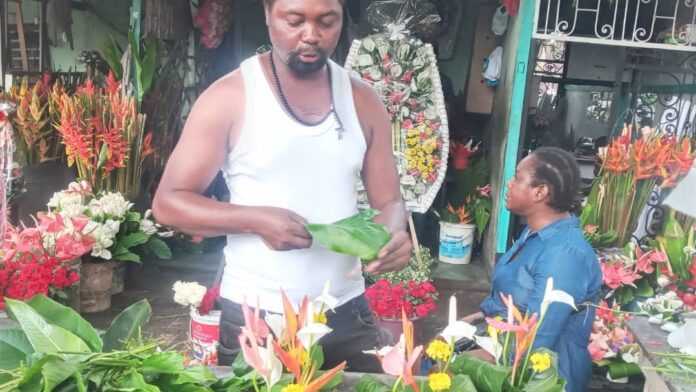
(543,191)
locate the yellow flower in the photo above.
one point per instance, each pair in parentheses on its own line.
(300,355)
(439,382)
(293,388)
(540,361)
(320,318)
(439,350)
(493,331)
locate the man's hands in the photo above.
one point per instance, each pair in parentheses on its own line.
(281,229)
(394,256)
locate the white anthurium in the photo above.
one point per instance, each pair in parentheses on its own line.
(490,346)
(276,322)
(456,329)
(271,362)
(683,338)
(325,300)
(551,296)
(310,334)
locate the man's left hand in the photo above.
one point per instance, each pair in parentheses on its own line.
(394,256)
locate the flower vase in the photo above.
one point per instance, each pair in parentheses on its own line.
(391,330)
(95,285)
(119,278)
(72,293)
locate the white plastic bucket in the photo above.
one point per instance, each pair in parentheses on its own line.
(455,242)
(205,337)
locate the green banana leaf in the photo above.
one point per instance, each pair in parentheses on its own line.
(357,235)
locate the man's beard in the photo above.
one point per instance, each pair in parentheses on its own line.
(303,68)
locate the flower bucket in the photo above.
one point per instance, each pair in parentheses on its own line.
(119,280)
(205,337)
(95,285)
(391,330)
(456,242)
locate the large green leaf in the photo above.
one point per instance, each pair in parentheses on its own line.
(55,371)
(133,239)
(44,337)
(196,375)
(159,248)
(127,256)
(485,376)
(112,54)
(148,65)
(126,325)
(66,318)
(643,289)
(462,383)
(357,235)
(163,363)
(15,348)
(316,355)
(134,381)
(371,384)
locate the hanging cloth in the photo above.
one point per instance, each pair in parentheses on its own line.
(492,66)
(500,21)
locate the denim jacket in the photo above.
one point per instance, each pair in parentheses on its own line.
(559,250)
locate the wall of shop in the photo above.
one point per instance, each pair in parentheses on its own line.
(498,130)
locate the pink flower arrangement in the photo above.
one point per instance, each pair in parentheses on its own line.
(609,333)
(35,260)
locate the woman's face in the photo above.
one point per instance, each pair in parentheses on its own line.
(521,194)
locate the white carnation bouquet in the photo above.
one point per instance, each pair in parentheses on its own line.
(120,233)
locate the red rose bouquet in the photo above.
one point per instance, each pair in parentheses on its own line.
(387,299)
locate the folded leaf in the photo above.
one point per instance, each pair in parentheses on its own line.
(15,348)
(620,369)
(485,376)
(66,318)
(44,337)
(126,325)
(357,235)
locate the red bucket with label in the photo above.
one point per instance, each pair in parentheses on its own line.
(205,337)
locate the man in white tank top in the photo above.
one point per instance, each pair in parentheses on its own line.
(291,132)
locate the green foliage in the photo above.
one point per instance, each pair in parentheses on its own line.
(357,235)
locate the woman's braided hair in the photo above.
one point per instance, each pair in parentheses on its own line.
(559,171)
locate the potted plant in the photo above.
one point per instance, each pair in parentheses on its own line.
(120,235)
(460,226)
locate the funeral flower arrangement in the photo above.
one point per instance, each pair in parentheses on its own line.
(119,232)
(403,71)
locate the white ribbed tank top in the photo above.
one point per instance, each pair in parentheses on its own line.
(279,162)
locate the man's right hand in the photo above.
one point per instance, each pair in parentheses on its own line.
(281,229)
